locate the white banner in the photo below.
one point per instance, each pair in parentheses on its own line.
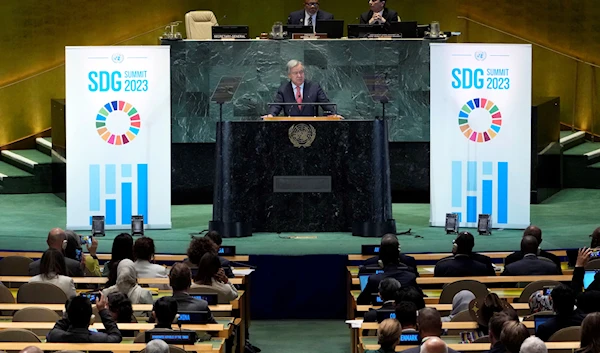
(481,133)
(118,124)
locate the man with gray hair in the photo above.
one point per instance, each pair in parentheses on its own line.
(388,292)
(157,346)
(299,90)
(533,345)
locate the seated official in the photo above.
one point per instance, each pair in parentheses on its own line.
(164,313)
(143,252)
(218,240)
(460,302)
(388,292)
(74,251)
(533,344)
(53,270)
(390,240)
(411,294)
(429,324)
(391,269)
(406,313)
(483,309)
(309,15)
(434,345)
(73,327)
(180,279)
(461,264)
(388,336)
(531,264)
(127,284)
(298,90)
(590,341)
(589,300)
(513,335)
(211,276)
(121,310)
(378,14)
(122,248)
(157,346)
(495,330)
(57,239)
(563,301)
(518,255)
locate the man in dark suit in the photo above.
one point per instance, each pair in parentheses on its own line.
(518,255)
(309,15)
(57,239)
(388,291)
(461,264)
(391,269)
(563,302)
(390,240)
(378,14)
(301,91)
(531,264)
(180,279)
(429,323)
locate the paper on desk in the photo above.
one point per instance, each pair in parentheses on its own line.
(354,323)
(242,271)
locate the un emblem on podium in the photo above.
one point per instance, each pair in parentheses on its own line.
(302,135)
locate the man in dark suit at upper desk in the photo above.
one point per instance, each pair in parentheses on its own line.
(531,264)
(310,15)
(300,91)
(461,264)
(378,14)
(536,232)
(390,240)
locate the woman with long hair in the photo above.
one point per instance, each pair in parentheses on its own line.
(54,270)
(211,276)
(122,248)
(590,340)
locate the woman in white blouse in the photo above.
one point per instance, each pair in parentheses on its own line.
(127,284)
(211,276)
(53,270)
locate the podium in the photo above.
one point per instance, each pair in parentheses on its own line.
(302,174)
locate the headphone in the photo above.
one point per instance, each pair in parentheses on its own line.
(64,244)
(454,246)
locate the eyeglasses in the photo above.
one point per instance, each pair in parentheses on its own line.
(316,4)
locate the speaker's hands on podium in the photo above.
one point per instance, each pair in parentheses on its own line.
(266,116)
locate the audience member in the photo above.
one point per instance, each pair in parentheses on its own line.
(589,300)
(309,15)
(389,257)
(406,313)
(164,312)
(127,284)
(538,301)
(57,239)
(461,264)
(157,346)
(495,326)
(460,302)
(53,270)
(388,336)
(388,292)
(121,311)
(595,241)
(74,251)
(563,301)
(143,252)
(379,14)
(483,308)
(531,264)
(31,349)
(73,328)
(513,335)
(211,276)
(410,294)
(590,340)
(533,344)
(198,247)
(390,240)
(218,240)
(434,345)
(536,233)
(180,279)
(429,325)
(122,248)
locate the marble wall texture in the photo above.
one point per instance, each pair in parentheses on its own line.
(354,73)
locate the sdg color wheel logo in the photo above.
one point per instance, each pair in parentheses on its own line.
(480,120)
(118,123)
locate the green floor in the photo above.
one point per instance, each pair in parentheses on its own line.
(566,220)
(321,336)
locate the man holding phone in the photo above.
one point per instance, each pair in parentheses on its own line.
(57,239)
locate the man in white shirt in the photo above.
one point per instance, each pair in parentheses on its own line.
(143,251)
(309,15)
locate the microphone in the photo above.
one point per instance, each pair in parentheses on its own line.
(334,105)
(383,100)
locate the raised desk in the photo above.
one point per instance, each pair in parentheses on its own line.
(370,343)
(159,258)
(216,345)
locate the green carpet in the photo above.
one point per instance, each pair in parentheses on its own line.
(320,336)
(566,220)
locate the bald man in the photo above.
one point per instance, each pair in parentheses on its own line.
(31,349)
(531,264)
(57,239)
(535,232)
(434,345)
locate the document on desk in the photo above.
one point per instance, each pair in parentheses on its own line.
(354,323)
(243,272)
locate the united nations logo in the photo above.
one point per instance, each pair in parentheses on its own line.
(302,135)
(480,55)
(118,58)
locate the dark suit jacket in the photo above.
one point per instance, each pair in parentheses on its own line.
(531,266)
(297,17)
(418,349)
(185,302)
(63,332)
(497,348)
(388,14)
(459,266)
(312,93)
(549,327)
(73,268)
(405,277)
(409,261)
(518,255)
(371,315)
(487,261)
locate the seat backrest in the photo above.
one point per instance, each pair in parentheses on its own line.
(463,316)
(450,290)
(18,335)
(41,293)
(36,315)
(593,265)
(198,24)
(15,266)
(6,295)
(534,287)
(567,334)
(482,339)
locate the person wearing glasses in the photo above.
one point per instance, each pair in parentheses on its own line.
(379,14)
(309,15)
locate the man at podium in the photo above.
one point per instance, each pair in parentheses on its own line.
(299,90)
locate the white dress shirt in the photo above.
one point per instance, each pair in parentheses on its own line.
(296,92)
(314,19)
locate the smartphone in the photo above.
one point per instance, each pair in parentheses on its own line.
(92,296)
(595,252)
(78,253)
(85,240)
(548,290)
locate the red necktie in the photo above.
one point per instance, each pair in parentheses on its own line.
(298,97)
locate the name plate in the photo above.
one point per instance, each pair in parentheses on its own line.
(309,36)
(385,36)
(298,184)
(230,36)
